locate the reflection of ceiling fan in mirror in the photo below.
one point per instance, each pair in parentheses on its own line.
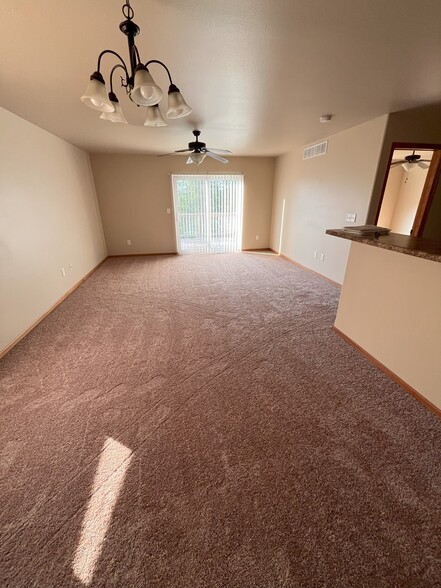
(198,151)
(410,162)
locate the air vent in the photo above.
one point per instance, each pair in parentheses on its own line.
(315,150)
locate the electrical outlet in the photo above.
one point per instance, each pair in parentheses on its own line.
(315,254)
(322,257)
(63,272)
(129,242)
(168,210)
(351,217)
(70,267)
(257,237)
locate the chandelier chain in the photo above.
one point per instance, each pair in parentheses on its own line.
(128,11)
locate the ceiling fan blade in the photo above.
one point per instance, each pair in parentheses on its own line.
(226,151)
(173,152)
(216,157)
(398,162)
(424,163)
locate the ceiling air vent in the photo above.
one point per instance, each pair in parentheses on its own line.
(315,150)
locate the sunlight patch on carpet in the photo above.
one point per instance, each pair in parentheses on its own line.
(109,478)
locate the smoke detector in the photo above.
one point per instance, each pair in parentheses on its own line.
(325,118)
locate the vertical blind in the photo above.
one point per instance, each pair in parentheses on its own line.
(208,212)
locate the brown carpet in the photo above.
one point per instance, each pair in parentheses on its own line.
(194,422)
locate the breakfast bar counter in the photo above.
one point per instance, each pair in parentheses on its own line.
(417,246)
(390,309)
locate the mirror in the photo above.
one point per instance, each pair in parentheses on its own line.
(411,198)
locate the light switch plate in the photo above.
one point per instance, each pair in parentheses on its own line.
(351,217)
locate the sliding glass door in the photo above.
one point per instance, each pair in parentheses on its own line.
(208,212)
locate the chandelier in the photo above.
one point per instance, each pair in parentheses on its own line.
(137,82)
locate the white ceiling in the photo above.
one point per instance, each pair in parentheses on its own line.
(258,73)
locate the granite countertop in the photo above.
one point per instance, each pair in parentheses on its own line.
(417,246)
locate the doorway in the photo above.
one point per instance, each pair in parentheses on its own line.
(411,196)
(208,212)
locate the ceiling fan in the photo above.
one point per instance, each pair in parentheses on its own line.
(198,151)
(410,162)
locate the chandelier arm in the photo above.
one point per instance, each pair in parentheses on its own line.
(163,65)
(135,49)
(111,75)
(116,55)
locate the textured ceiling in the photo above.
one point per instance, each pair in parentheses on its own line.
(257,73)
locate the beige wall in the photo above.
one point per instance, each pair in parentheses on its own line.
(134,192)
(390,306)
(319,191)
(49,219)
(393,186)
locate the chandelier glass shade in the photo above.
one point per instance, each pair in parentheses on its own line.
(96,96)
(145,91)
(177,107)
(154,117)
(116,115)
(137,82)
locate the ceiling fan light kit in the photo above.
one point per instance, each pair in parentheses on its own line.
(198,151)
(196,158)
(136,80)
(409,166)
